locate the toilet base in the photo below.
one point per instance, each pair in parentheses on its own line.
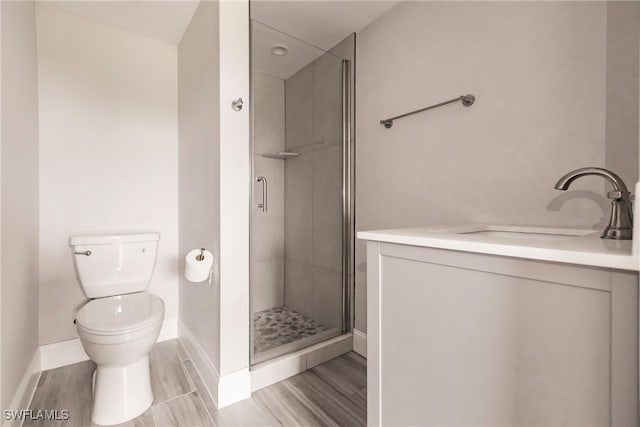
(121,393)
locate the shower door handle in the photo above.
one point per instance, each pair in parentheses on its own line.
(263,205)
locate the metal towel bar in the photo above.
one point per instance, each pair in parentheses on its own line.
(467,101)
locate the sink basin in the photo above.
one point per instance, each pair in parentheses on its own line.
(529,233)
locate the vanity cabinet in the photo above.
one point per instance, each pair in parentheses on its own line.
(460,338)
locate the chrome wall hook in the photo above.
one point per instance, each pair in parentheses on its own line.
(237,104)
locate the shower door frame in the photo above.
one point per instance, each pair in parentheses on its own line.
(348,199)
(348,223)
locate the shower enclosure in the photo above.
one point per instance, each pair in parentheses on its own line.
(301,210)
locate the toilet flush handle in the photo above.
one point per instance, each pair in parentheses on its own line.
(86,253)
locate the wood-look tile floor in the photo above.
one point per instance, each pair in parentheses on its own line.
(333,393)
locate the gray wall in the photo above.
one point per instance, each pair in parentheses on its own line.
(199,171)
(267,228)
(623,53)
(19,195)
(214,178)
(313,191)
(108,153)
(539,72)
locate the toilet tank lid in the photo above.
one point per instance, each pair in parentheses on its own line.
(107,239)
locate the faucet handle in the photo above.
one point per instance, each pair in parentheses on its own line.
(617,194)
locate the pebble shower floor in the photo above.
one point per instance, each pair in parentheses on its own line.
(281,325)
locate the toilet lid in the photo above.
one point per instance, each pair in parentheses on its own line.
(120,313)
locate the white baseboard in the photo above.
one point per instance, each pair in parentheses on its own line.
(71,351)
(234,387)
(224,390)
(26,388)
(206,369)
(288,365)
(169,330)
(62,353)
(360,342)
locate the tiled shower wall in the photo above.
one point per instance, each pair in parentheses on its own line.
(267,228)
(313,191)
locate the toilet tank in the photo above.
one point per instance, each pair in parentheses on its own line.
(109,265)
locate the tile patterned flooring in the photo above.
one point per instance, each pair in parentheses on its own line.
(281,325)
(333,393)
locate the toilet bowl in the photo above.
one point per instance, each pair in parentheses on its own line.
(120,325)
(117,333)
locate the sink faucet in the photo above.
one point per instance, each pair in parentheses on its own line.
(621,222)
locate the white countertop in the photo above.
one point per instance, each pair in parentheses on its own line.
(565,245)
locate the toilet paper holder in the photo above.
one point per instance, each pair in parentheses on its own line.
(199,266)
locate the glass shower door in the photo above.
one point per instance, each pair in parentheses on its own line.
(298,247)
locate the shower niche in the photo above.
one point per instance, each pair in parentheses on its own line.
(301,217)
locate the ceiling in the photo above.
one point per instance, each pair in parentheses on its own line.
(320,23)
(307,28)
(264,38)
(162,20)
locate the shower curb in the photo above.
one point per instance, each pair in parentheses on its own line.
(288,365)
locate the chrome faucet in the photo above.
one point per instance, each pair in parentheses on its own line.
(621,222)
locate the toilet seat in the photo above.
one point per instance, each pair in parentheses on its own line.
(120,315)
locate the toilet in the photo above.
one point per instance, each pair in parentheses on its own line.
(120,323)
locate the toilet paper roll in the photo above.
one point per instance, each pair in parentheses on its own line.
(196,269)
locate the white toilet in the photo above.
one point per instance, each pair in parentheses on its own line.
(122,321)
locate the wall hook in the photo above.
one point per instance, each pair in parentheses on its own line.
(237,104)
